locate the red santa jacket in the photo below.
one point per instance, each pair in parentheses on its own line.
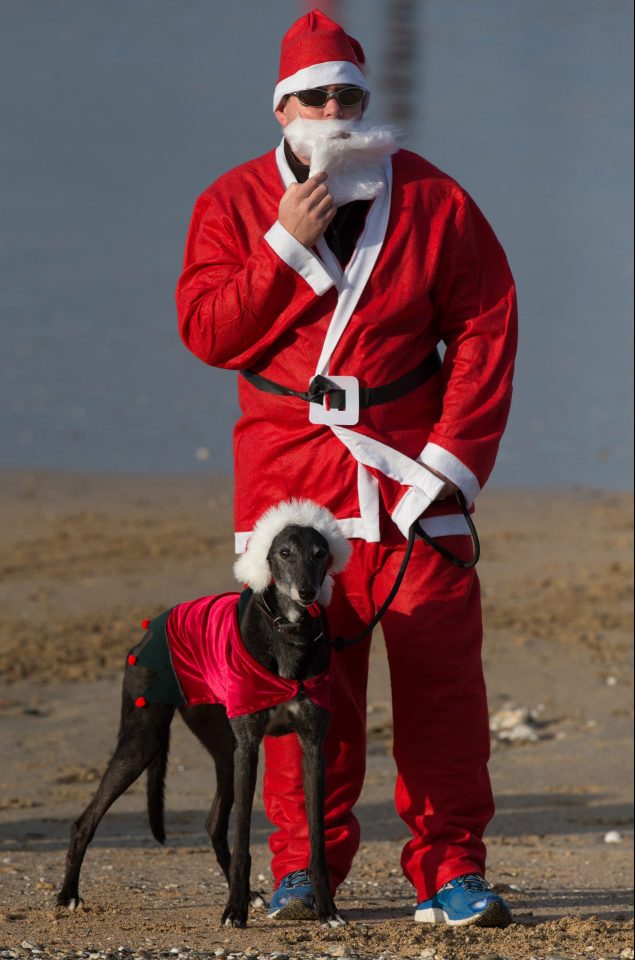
(427,268)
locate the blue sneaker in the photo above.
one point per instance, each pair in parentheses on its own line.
(293,900)
(466,899)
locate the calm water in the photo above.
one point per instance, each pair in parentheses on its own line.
(117,114)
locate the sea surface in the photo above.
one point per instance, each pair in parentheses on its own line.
(116,114)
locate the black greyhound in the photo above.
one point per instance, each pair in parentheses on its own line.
(289,641)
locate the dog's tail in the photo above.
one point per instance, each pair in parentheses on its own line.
(156,789)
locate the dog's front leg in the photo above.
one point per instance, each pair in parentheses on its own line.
(313,773)
(245,772)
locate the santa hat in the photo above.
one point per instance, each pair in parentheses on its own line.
(315,51)
(252,567)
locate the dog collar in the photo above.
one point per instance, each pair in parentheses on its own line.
(282,624)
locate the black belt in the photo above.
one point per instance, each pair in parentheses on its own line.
(321,387)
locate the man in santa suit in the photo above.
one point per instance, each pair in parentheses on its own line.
(338,255)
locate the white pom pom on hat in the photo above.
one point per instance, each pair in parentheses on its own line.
(252,567)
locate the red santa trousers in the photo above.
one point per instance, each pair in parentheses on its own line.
(433,633)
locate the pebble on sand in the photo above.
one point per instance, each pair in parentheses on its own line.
(513,724)
(507,888)
(613,836)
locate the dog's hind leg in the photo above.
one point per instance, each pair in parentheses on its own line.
(142,734)
(155,789)
(209,723)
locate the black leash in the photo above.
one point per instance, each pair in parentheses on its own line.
(340,643)
(464,564)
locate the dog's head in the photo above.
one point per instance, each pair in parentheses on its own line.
(294,543)
(298,559)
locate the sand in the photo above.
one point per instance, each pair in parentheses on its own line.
(85,558)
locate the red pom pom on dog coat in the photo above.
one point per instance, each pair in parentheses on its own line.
(197,655)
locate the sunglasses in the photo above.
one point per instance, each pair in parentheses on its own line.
(346,97)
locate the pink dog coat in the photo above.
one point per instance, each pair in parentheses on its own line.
(211,664)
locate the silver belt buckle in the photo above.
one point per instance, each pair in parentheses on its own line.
(318,412)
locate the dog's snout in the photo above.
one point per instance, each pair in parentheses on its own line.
(306,594)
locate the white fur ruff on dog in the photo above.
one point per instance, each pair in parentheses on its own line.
(252,567)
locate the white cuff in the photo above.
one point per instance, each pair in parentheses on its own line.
(451,467)
(299,258)
(445,525)
(414,502)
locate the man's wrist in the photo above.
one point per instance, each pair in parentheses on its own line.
(437,459)
(449,487)
(299,258)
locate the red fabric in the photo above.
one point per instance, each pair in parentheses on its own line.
(441,736)
(240,305)
(315,38)
(213,665)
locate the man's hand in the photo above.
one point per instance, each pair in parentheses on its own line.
(306,209)
(449,489)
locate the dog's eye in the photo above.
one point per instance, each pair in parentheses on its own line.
(284,553)
(320,552)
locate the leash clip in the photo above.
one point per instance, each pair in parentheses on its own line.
(336,400)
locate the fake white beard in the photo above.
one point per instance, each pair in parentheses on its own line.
(349,151)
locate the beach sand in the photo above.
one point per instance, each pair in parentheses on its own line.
(85,558)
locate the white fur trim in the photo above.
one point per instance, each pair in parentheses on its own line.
(368,494)
(252,567)
(367,527)
(451,467)
(326,590)
(358,270)
(299,258)
(413,503)
(446,525)
(320,75)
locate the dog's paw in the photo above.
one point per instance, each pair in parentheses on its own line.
(233,917)
(72,903)
(335,920)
